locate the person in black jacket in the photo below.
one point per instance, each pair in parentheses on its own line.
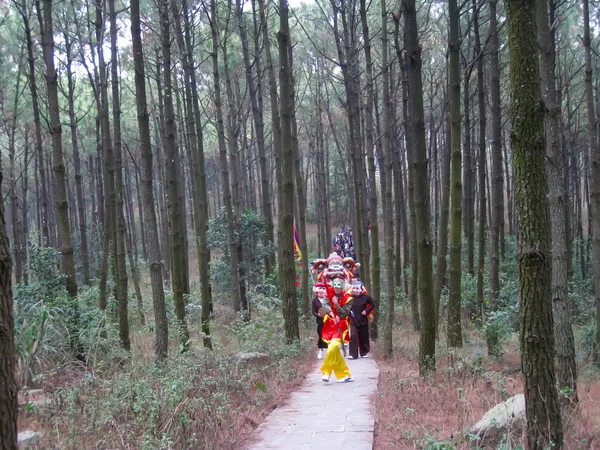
(320,297)
(362,306)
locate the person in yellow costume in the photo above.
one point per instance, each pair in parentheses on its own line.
(335,330)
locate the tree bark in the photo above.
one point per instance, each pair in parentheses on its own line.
(121,275)
(42,199)
(544,425)
(376,267)
(287,272)
(257,116)
(497,194)
(223,159)
(566,368)
(62,204)
(275,116)
(77,163)
(9,389)
(442,249)
(595,170)
(388,220)
(172,172)
(423,214)
(147,175)
(482,163)
(454,300)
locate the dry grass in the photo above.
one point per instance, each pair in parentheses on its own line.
(99,407)
(415,412)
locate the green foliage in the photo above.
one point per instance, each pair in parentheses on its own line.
(186,402)
(252,233)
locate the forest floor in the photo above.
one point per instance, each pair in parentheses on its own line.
(437,412)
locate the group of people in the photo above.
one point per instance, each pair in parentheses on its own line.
(343,309)
(343,244)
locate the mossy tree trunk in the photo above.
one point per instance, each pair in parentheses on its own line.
(421,200)
(287,272)
(536,336)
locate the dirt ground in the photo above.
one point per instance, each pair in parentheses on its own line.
(415,412)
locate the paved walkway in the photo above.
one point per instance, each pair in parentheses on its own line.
(324,416)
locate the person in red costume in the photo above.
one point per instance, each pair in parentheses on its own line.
(335,330)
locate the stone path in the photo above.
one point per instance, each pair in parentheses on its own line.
(324,416)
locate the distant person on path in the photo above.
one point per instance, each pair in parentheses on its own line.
(318,302)
(335,331)
(360,315)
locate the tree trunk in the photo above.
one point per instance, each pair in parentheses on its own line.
(497,194)
(62,204)
(454,299)
(257,116)
(18,247)
(121,275)
(411,255)
(419,161)
(9,389)
(24,209)
(42,199)
(173,171)
(147,175)
(442,249)
(287,272)
(595,171)
(232,137)
(223,160)
(141,214)
(194,129)
(376,267)
(105,140)
(565,347)
(544,426)
(77,164)
(275,118)
(300,195)
(388,221)
(482,164)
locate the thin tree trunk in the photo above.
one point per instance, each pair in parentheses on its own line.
(109,224)
(147,175)
(141,215)
(232,136)
(442,249)
(413,292)
(421,200)
(14,197)
(223,160)
(77,164)
(300,195)
(194,129)
(497,194)
(565,348)
(287,272)
(42,199)
(454,299)
(62,204)
(275,116)
(173,170)
(376,267)
(257,116)
(388,221)
(595,171)
(121,274)
(482,163)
